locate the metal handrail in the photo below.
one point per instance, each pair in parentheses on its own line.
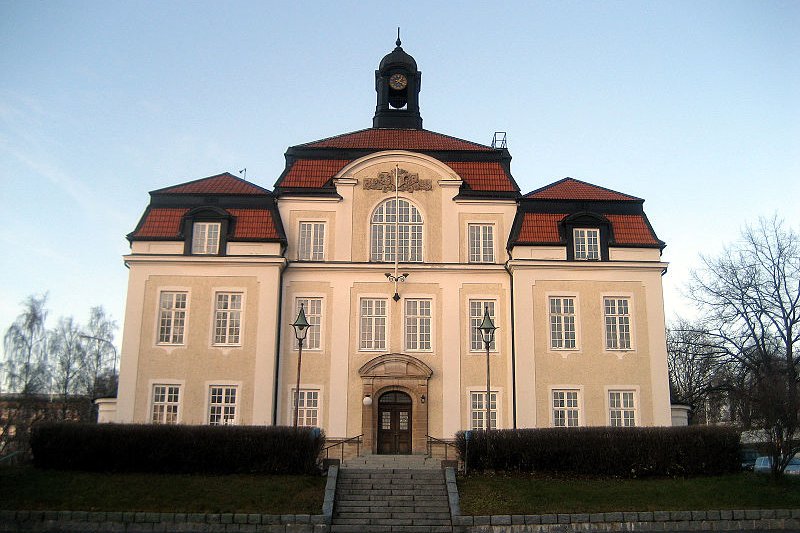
(341,443)
(447,445)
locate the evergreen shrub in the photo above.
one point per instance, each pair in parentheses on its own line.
(177,449)
(605,451)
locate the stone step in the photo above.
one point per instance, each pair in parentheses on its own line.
(371,528)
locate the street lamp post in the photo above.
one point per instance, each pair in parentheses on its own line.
(300,326)
(487,329)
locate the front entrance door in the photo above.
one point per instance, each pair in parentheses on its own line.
(394,423)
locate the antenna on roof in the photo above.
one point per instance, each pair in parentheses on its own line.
(243,172)
(499,140)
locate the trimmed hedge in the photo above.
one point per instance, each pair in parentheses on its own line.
(177,449)
(605,451)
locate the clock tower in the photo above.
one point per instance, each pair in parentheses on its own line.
(397,82)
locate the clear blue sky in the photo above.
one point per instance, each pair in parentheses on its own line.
(694,106)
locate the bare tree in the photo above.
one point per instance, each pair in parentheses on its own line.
(25,345)
(694,372)
(100,353)
(68,360)
(750,295)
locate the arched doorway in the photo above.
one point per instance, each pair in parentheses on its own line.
(394,423)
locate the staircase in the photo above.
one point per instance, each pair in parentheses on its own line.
(385,493)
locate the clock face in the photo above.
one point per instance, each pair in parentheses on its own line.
(398,82)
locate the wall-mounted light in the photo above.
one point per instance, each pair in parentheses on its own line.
(367,401)
(422,399)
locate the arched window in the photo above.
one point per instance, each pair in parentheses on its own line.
(396,223)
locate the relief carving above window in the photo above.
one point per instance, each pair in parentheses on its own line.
(406,182)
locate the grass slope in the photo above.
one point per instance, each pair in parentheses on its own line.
(484,494)
(33,489)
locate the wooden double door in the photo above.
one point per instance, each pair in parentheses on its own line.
(394,423)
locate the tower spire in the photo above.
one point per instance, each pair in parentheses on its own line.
(398,42)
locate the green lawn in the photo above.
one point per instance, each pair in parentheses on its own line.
(33,489)
(484,494)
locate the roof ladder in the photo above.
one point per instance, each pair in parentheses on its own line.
(499,140)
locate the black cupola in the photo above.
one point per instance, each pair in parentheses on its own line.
(397,82)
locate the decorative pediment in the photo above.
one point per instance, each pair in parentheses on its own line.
(395,365)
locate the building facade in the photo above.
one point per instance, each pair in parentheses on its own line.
(395,241)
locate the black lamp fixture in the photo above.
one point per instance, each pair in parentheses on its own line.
(300,326)
(487,329)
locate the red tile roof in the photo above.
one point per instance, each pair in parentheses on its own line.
(312,173)
(483,176)
(572,189)
(542,228)
(254,224)
(165,223)
(397,139)
(225,183)
(631,229)
(315,173)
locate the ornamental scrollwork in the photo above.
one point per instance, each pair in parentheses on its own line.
(406,182)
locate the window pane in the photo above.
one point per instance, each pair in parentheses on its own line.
(396,226)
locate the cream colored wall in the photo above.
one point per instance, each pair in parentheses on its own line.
(197,364)
(590,368)
(443,277)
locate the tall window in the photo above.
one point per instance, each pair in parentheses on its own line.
(166,400)
(373,324)
(587,244)
(481,243)
(566,412)
(618,323)
(476,310)
(312,241)
(396,226)
(222,405)
(622,409)
(228,318)
(308,413)
(313,310)
(478,410)
(205,237)
(418,325)
(171,317)
(562,323)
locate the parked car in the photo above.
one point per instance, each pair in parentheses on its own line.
(748,459)
(764,465)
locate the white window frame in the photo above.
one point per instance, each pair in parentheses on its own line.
(586,244)
(225,419)
(416,324)
(303,418)
(314,310)
(311,241)
(477,408)
(558,340)
(615,324)
(480,243)
(574,404)
(476,343)
(232,331)
(166,402)
(371,324)
(622,408)
(172,312)
(204,242)
(383,241)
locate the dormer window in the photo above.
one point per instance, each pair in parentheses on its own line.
(205,238)
(587,244)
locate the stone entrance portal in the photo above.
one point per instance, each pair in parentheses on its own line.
(397,419)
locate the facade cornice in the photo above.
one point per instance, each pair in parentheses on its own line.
(226,260)
(560,264)
(405,267)
(320,199)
